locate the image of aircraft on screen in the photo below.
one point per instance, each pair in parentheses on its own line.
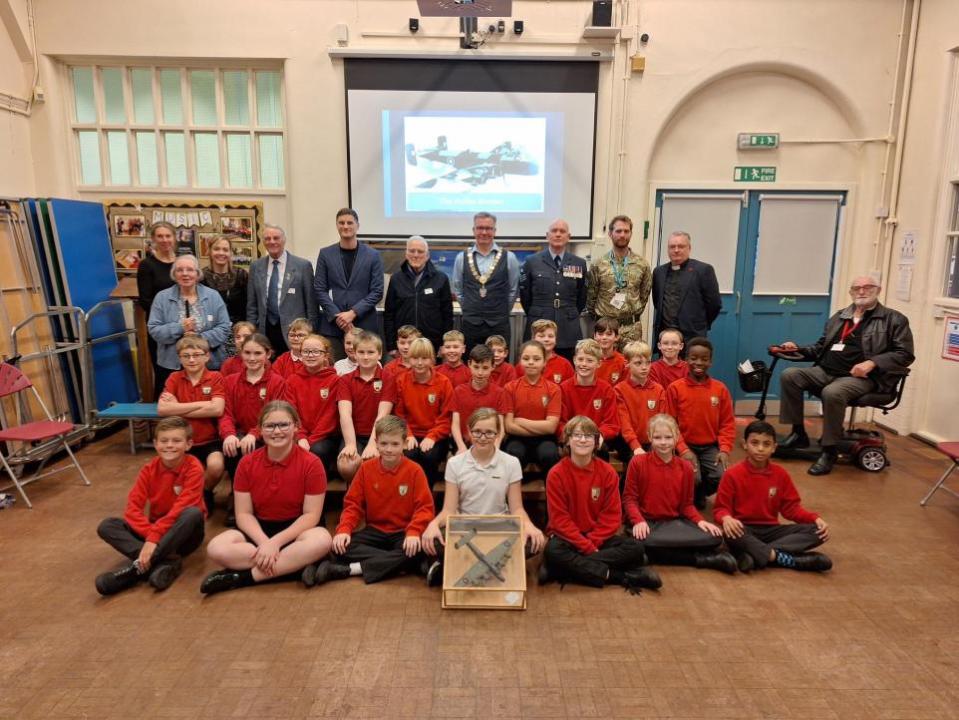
(470,166)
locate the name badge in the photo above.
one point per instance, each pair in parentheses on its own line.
(618,300)
(209,318)
(838,347)
(428,291)
(291,291)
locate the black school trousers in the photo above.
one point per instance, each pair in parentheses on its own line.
(379,554)
(758,540)
(566,563)
(678,542)
(183,537)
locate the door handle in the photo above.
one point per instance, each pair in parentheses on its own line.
(739,301)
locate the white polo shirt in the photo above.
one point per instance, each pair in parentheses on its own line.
(483,488)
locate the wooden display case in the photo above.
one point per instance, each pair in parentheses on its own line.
(484,566)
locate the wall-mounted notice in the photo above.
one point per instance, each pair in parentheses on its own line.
(950,340)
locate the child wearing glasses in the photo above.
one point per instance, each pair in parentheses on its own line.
(585,514)
(279,490)
(198,395)
(314,390)
(482,481)
(288,362)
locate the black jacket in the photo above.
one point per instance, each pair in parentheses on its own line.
(886,340)
(699,303)
(428,305)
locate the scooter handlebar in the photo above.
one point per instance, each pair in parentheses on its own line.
(777,351)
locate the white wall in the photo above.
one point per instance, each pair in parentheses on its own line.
(817,69)
(16,165)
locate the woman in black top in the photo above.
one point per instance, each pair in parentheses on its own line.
(229,281)
(153,275)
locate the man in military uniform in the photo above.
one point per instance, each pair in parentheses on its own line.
(552,286)
(619,283)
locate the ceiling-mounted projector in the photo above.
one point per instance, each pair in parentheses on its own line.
(465,8)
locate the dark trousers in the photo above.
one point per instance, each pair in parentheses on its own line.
(327,449)
(567,564)
(836,393)
(475,332)
(758,540)
(183,537)
(274,333)
(541,449)
(232,463)
(710,471)
(678,541)
(430,461)
(160,375)
(379,554)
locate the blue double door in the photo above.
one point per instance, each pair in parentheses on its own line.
(774,254)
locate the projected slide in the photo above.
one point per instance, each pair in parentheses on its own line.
(459,163)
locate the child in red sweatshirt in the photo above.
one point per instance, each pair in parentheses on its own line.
(289,362)
(533,405)
(670,367)
(659,505)
(638,398)
(703,408)
(156,539)
(752,496)
(391,496)
(424,399)
(453,367)
(557,367)
(583,394)
(503,373)
(585,513)
(612,368)
(314,390)
(478,393)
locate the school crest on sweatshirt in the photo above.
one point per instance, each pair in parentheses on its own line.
(595,492)
(772,492)
(614,377)
(545,400)
(403,490)
(206,390)
(324,393)
(262,393)
(377,386)
(431,398)
(651,404)
(557,378)
(177,489)
(714,400)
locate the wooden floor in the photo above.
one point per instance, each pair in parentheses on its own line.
(878,637)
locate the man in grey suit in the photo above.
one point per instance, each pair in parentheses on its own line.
(280,290)
(348,283)
(552,286)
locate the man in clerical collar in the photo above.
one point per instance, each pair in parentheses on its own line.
(485,281)
(685,291)
(552,286)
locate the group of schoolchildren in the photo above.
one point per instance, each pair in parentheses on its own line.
(279,427)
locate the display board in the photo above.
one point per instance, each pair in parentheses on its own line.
(484,565)
(198,223)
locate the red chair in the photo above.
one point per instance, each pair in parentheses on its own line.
(12,382)
(950,449)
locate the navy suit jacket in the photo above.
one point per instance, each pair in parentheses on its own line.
(296,292)
(335,295)
(699,302)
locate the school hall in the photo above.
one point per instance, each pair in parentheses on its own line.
(801,145)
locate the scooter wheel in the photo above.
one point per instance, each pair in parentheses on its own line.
(871,459)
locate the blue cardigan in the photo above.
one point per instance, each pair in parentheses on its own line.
(164,325)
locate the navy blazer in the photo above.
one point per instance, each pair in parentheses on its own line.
(335,295)
(699,302)
(296,292)
(540,284)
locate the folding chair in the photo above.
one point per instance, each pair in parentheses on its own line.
(951,450)
(13,382)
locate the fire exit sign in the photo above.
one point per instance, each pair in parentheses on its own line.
(757,141)
(754,173)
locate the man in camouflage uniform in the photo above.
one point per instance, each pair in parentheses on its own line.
(619,283)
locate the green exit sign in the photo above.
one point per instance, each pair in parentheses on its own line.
(754,173)
(757,141)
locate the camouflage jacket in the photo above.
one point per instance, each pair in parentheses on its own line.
(601,287)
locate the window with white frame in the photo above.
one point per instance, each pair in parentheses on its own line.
(178,127)
(951,281)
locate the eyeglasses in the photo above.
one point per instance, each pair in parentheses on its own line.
(581,436)
(314,353)
(277,426)
(484,434)
(192,356)
(297,334)
(863,288)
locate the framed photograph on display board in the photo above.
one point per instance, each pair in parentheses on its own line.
(198,223)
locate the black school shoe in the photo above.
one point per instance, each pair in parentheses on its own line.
(745,563)
(812,562)
(323,572)
(794,440)
(722,561)
(164,573)
(220,581)
(643,577)
(113,582)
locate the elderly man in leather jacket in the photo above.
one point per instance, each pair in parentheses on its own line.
(864,348)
